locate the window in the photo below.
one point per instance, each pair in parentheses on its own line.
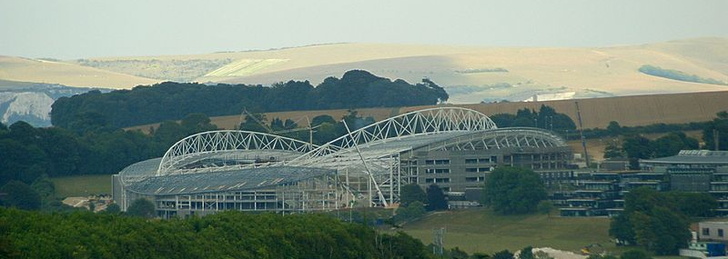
(471,161)
(706,232)
(442,171)
(720,232)
(429,180)
(442,162)
(429,162)
(484,160)
(471,170)
(484,169)
(442,180)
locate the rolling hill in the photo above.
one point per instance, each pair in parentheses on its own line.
(58,72)
(469,74)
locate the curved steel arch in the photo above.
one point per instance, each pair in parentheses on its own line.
(420,122)
(502,138)
(225,141)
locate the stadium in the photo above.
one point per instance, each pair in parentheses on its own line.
(454,148)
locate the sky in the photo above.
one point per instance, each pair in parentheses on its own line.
(71,29)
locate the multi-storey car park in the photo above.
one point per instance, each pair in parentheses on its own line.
(454,148)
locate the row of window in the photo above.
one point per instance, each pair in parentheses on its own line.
(437,180)
(706,232)
(437,170)
(447,180)
(437,162)
(475,179)
(492,159)
(477,170)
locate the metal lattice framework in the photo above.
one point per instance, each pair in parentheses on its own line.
(209,144)
(420,122)
(502,138)
(373,150)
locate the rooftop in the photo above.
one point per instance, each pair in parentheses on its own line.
(692,157)
(231,180)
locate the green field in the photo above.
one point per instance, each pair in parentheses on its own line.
(479,230)
(82,185)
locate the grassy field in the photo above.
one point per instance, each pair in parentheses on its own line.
(479,230)
(82,185)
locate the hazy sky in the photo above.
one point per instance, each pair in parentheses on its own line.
(70,29)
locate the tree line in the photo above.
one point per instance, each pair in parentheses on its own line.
(82,234)
(546,118)
(173,101)
(634,146)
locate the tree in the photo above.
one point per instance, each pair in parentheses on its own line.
(613,150)
(720,126)
(622,230)
(614,128)
(19,195)
(411,193)
(653,220)
(545,207)
(141,208)
(526,253)
(694,204)
(505,254)
(636,147)
(197,122)
(513,190)
(412,211)
(672,143)
(113,209)
(435,198)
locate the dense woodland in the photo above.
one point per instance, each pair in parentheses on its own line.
(25,234)
(173,101)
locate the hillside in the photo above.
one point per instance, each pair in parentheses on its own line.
(59,72)
(469,74)
(596,112)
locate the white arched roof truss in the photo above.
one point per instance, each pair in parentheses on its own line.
(502,138)
(379,144)
(420,122)
(211,143)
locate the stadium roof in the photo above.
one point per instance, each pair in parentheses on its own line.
(229,180)
(692,157)
(239,160)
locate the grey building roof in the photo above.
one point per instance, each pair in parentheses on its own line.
(692,157)
(231,180)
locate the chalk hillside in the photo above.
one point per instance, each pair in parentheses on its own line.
(470,74)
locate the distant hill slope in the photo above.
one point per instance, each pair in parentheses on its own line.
(469,74)
(58,72)
(596,112)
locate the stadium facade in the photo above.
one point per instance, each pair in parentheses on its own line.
(454,148)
